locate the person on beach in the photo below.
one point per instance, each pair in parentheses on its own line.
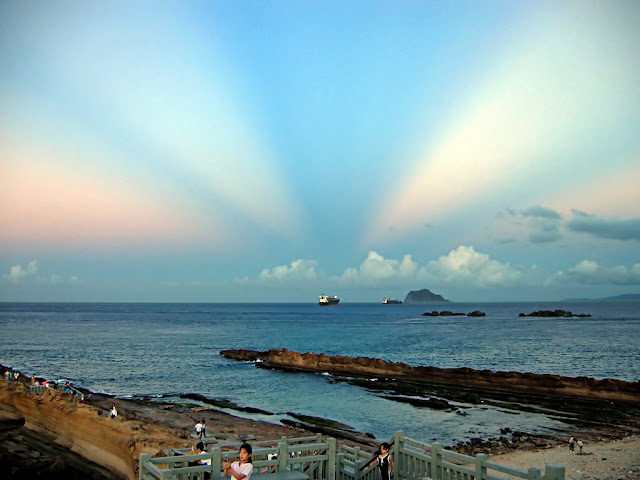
(384,460)
(580,445)
(198,428)
(240,468)
(572,443)
(204,429)
(114,411)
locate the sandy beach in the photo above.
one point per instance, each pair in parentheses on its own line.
(601,460)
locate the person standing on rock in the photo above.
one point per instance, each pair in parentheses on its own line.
(384,461)
(580,445)
(199,430)
(572,443)
(114,411)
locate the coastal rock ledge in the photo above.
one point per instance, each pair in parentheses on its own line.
(586,387)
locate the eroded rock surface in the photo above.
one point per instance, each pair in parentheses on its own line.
(607,389)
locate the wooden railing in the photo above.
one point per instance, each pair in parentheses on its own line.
(416,460)
(310,458)
(305,458)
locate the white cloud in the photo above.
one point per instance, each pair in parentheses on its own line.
(297,270)
(376,269)
(589,272)
(464,267)
(461,268)
(17,273)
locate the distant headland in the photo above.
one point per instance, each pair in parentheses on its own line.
(629,297)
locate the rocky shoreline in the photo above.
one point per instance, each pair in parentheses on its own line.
(586,404)
(53,434)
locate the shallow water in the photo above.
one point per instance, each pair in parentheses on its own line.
(169,349)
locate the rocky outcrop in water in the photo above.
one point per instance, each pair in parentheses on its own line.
(585,403)
(424,296)
(607,389)
(555,313)
(448,313)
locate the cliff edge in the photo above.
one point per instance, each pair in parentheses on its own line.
(114,444)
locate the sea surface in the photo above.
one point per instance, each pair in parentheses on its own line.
(169,349)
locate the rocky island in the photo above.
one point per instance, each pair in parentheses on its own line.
(555,313)
(424,296)
(449,313)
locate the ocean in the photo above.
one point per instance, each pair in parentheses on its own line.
(164,350)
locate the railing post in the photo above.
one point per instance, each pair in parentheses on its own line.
(283,455)
(142,460)
(534,474)
(216,462)
(338,466)
(398,454)
(436,456)
(481,469)
(554,472)
(356,463)
(333,458)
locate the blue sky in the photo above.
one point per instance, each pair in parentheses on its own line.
(272,151)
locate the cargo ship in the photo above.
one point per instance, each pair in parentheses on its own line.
(388,301)
(327,300)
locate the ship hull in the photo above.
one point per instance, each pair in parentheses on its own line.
(327,301)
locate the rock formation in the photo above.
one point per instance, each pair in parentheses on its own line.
(115,444)
(423,296)
(555,313)
(448,313)
(607,389)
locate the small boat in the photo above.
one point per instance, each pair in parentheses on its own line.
(326,300)
(388,301)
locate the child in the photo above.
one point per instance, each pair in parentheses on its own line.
(384,459)
(240,468)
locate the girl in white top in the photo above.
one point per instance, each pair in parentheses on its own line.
(243,468)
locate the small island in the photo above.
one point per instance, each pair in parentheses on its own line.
(447,313)
(555,313)
(424,296)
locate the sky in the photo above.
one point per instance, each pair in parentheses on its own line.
(248,151)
